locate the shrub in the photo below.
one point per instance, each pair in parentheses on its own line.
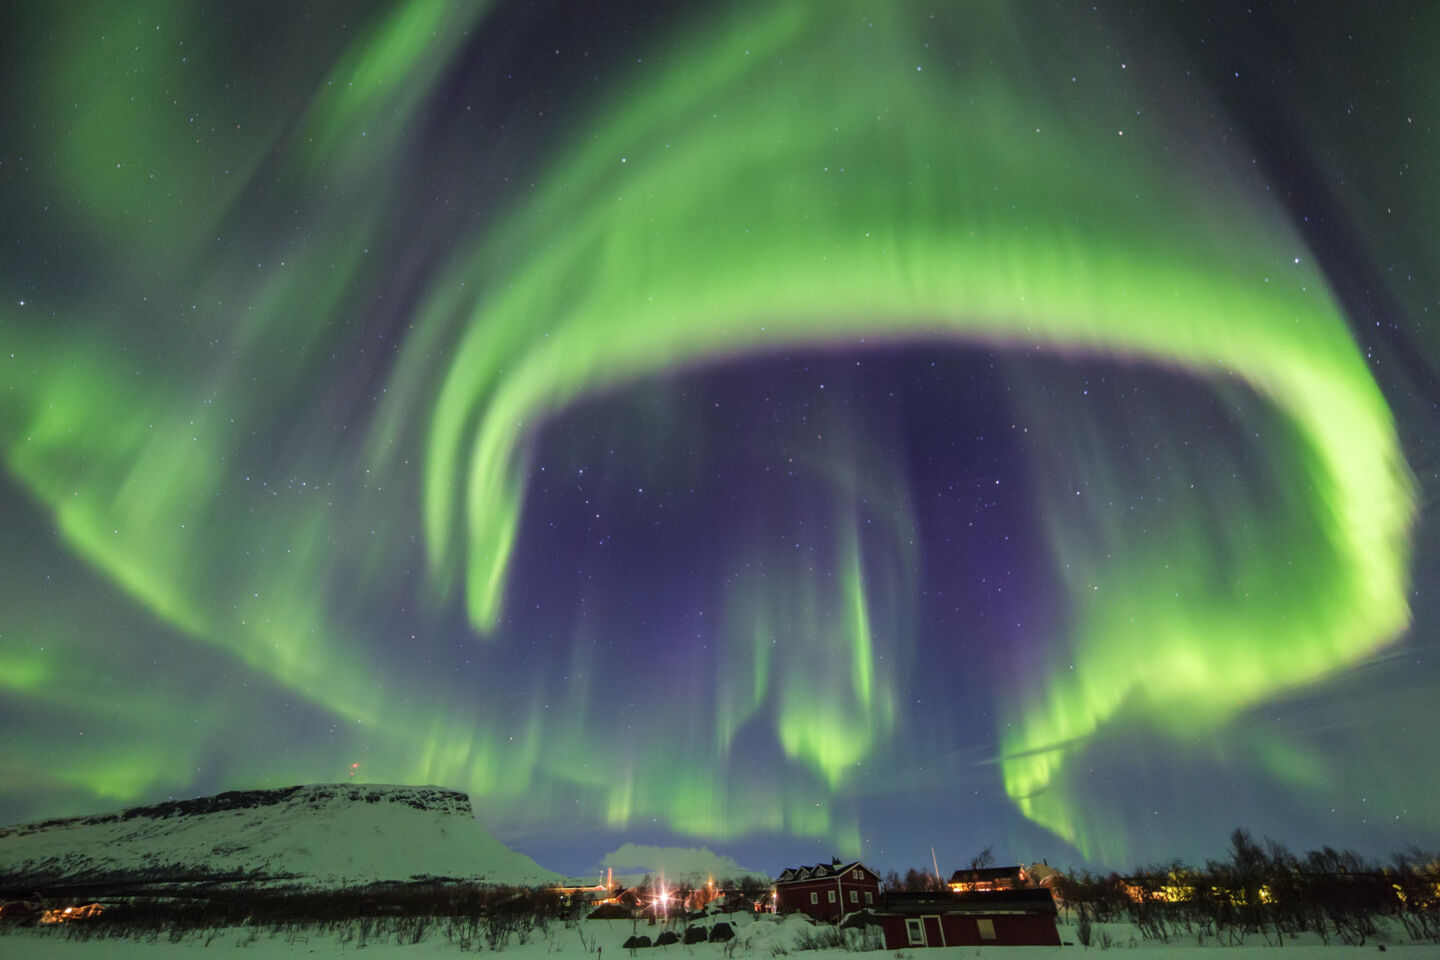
(821,938)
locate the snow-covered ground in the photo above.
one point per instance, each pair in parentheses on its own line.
(764,938)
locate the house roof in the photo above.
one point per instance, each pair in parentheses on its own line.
(821,871)
(1043,871)
(987,874)
(1006,901)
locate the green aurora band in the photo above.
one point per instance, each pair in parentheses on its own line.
(753,194)
(742,231)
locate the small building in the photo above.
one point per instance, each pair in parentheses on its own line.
(827,891)
(988,879)
(590,895)
(84,911)
(1043,875)
(1012,918)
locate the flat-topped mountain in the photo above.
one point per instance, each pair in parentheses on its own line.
(322,835)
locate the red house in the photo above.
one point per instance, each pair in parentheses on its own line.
(1016,918)
(827,891)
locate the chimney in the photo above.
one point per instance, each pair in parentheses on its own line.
(834,861)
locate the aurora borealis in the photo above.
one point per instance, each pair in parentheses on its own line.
(789,427)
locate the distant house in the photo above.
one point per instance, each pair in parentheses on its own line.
(827,891)
(67,914)
(1016,918)
(1043,875)
(588,894)
(988,879)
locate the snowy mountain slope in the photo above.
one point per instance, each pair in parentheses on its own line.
(338,834)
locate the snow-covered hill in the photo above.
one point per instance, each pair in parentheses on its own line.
(338,834)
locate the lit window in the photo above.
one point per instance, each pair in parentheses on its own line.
(814,897)
(916,931)
(987,928)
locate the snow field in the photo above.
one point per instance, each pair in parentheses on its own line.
(757,938)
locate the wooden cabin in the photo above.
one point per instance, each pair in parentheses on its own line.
(1017,918)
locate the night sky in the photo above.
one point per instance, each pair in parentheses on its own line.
(790,428)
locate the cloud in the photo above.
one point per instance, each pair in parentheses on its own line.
(676,862)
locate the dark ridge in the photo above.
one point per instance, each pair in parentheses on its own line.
(317,795)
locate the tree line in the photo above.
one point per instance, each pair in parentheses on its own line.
(1262,890)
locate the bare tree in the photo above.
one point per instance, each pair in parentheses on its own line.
(917,881)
